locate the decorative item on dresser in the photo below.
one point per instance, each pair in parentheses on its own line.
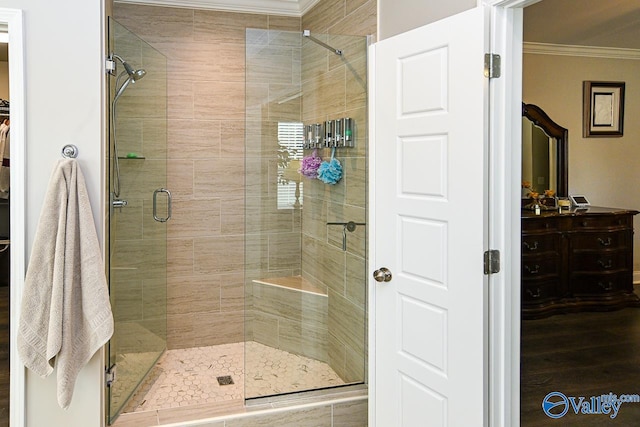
(577,260)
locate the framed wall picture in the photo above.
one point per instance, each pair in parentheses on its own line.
(603,109)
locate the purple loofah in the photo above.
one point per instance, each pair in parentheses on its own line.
(330,172)
(310,164)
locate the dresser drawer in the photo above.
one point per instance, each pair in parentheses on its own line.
(540,243)
(600,240)
(601,284)
(537,292)
(540,224)
(602,222)
(600,261)
(535,267)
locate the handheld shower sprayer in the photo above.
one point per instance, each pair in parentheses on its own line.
(132,75)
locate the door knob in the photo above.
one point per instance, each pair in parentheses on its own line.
(382,275)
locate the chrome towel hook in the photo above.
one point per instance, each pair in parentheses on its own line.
(70,151)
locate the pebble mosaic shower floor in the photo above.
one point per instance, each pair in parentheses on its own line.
(189,376)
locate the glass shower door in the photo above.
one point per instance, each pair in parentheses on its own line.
(138,210)
(305,241)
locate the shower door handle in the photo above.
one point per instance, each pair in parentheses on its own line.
(155,205)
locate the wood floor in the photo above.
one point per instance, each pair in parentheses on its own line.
(581,354)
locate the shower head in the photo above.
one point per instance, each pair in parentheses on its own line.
(135,74)
(138,74)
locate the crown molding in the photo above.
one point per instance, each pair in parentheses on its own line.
(306,5)
(586,51)
(273,7)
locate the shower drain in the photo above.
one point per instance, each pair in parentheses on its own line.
(225,380)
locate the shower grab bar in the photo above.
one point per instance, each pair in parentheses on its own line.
(346,226)
(155,205)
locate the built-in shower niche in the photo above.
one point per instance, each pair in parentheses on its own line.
(304,282)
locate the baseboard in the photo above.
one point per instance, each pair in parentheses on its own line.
(636,277)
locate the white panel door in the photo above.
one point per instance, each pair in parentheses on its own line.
(429,198)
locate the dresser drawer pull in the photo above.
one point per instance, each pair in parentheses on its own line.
(532,294)
(604,242)
(607,287)
(534,270)
(607,265)
(533,247)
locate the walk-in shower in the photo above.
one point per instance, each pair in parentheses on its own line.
(265,278)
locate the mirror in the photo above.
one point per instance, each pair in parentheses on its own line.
(544,152)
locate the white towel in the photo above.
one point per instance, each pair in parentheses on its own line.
(66,314)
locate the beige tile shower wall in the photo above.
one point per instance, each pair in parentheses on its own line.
(335,87)
(205,53)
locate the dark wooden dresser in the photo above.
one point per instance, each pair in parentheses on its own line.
(577,260)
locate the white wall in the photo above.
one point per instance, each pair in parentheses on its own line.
(605,169)
(397,16)
(64,86)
